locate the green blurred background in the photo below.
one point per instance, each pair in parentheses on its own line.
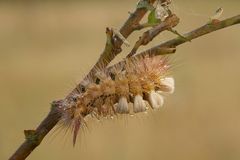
(46,47)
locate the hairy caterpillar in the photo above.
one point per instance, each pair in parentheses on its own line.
(140,81)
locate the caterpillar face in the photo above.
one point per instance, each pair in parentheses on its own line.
(141,81)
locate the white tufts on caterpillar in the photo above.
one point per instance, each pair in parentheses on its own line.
(155,100)
(122,106)
(139,104)
(169,84)
(141,81)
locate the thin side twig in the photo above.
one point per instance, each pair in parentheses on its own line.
(201,31)
(149,35)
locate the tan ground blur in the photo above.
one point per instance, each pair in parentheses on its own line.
(45,49)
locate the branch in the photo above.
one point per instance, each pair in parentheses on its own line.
(148,36)
(169,47)
(144,25)
(34,137)
(205,29)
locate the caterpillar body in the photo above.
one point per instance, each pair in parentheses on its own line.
(139,82)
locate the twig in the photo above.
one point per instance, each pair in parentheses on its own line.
(178,34)
(205,29)
(148,36)
(144,25)
(34,138)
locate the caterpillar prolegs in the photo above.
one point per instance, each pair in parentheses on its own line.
(127,88)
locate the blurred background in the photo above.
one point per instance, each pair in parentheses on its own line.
(46,47)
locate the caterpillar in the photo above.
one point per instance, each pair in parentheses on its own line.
(139,81)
